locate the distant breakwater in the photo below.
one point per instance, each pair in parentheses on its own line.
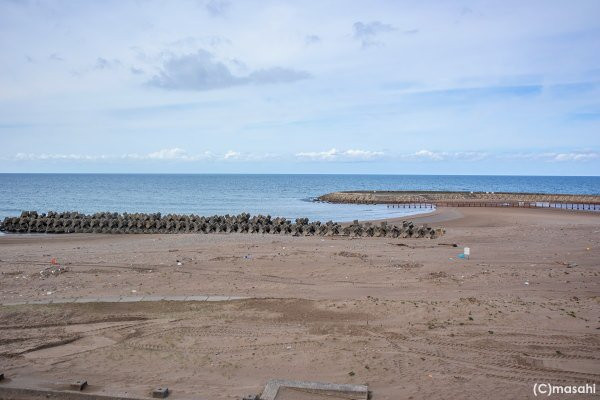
(472,199)
(115,223)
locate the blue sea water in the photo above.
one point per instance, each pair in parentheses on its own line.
(278,195)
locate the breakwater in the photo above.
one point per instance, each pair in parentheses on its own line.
(115,223)
(472,199)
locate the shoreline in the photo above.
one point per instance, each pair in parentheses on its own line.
(437,216)
(443,214)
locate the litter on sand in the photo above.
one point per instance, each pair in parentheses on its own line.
(465,254)
(53,270)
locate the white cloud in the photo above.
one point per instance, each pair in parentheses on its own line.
(162,155)
(428,154)
(318,155)
(49,157)
(169,154)
(556,156)
(334,154)
(576,156)
(362,154)
(443,155)
(231,155)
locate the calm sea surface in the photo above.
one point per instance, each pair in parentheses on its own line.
(278,195)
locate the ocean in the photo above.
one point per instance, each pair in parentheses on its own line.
(278,195)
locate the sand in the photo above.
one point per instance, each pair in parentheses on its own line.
(405,316)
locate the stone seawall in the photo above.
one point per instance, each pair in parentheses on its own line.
(399,197)
(114,223)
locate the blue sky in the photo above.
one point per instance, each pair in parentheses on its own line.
(397,87)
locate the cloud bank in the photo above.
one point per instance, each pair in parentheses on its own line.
(168,154)
(332,155)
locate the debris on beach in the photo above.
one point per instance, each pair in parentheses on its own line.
(53,270)
(567,264)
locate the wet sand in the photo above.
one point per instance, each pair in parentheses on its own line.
(406,316)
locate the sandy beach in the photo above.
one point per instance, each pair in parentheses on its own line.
(405,316)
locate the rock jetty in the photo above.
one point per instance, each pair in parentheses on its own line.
(115,223)
(447,198)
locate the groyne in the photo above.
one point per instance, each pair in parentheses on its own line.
(115,223)
(465,199)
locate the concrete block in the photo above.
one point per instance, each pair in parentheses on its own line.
(153,298)
(160,393)
(130,299)
(13,303)
(110,299)
(217,298)
(40,301)
(331,390)
(87,300)
(62,301)
(78,385)
(196,298)
(174,298)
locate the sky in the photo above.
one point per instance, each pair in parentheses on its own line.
(375,87)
